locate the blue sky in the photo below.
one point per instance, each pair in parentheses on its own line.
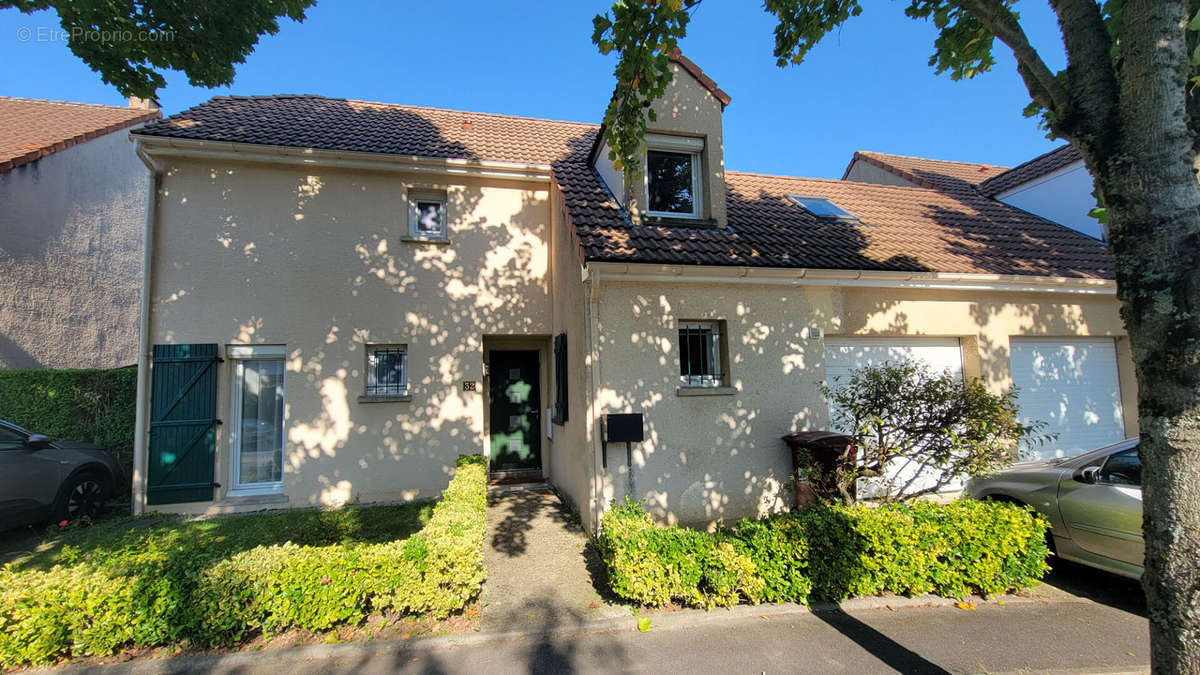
(865,87)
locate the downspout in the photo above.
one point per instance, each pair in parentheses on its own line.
(597,471)
(141,414)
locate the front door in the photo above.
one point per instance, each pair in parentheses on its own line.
(515,404)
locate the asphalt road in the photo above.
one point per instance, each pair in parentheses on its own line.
(1101,628)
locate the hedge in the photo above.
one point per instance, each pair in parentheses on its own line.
(94,406)
(826,553)
(165,594)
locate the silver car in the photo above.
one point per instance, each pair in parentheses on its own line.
(1093,502)
(41,479)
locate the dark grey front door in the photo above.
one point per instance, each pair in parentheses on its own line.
(516,400)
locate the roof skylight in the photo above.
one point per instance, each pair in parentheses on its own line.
(822,207)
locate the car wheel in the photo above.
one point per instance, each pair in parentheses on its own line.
(82,495)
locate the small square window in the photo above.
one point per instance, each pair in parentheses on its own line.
(822,207)
(701,354)
(387,370)
(427,217)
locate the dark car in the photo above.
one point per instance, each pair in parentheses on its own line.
(41,479)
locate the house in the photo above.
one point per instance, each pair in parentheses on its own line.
(1055,186)
(74,197)
(344,296)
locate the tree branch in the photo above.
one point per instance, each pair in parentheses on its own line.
(1041,82)
(1091,75)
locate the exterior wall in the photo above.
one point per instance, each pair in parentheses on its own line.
(865,172)
(570,462)
(708,458)
(1064,197)
(71,257)
(688,109)
(316,259)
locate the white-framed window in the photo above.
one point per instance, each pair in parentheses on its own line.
(673,177)
(387,371)
(822,207)
(427,216)
(256,435)
(701,354)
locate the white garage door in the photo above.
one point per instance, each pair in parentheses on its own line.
(1071,385)
(844,355)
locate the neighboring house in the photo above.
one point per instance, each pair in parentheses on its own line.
(1055,186)
(74,199)
(360,292)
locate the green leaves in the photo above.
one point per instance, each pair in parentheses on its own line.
(828,553)
(131,43)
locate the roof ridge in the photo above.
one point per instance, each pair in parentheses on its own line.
(257,97)
(837,181)
(79,104)
(927,159)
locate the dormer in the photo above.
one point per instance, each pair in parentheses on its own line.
(683,160)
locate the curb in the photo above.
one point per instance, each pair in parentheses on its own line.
(662,621)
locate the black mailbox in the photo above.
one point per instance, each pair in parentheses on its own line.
(623,428)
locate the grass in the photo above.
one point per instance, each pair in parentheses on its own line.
(112,542)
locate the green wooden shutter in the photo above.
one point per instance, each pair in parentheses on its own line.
(183,421)
(560,379)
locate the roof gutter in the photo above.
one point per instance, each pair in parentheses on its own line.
(188,148)
(700,274)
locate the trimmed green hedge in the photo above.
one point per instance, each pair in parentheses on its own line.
(95,406)
(163,594)
(826,553)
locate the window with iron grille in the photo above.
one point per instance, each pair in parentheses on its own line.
(387,370)
(701,354)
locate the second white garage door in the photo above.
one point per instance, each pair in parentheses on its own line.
(844,355)
(1071,385)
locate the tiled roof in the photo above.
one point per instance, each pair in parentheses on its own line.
(704,80)
(937,174)
(32,128)
(901,228)
(306,121)
(1033,169)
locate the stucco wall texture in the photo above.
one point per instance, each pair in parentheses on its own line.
(708,458)
(315,259)
(71,257)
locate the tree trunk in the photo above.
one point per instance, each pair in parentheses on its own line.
(1150,188)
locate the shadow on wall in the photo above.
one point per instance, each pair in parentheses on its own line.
(321,260)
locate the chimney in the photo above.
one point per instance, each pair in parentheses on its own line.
(143,103)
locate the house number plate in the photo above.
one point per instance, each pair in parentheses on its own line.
(470,385)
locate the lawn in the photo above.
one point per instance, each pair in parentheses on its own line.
(111,543)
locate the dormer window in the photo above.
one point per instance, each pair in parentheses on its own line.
(673,178)
(822,207)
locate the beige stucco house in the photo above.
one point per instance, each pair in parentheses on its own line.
(360,292)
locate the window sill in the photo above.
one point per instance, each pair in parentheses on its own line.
(396,398)
(705,391)
(443,241)
(233,498)
(682,221)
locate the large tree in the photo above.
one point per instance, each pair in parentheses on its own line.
(130,42)
(1128,102)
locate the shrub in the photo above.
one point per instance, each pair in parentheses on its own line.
(654,565)
(95,406)
(168,588)
(827,553)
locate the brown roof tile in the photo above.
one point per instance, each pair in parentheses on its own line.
(704,80)
(937,174)
(901,228)
(32,128)
(1033,169)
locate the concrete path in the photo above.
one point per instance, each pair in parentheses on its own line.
(540,569)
